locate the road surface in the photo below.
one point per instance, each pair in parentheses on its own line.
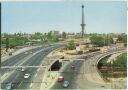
(85,75)
(17,77)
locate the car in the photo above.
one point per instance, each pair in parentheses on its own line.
(62,57)
(26,75)
(18,69)
(72,67)
(60,79)
(9,86)
(21,69)
(65,84)
(26,53)
(10,53)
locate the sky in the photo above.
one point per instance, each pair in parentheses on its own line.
(44,16)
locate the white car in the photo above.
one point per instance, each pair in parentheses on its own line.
(22,69)
(65,84)
(26,75)
(26,53)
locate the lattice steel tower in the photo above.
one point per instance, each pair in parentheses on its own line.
(82,24)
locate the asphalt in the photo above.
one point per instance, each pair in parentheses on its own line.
(17,59)
(17,76)
(36,60)
(86,75)
(69,75)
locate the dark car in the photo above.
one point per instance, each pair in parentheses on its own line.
(9,86)
(21,69)
(10,53)
(72,67)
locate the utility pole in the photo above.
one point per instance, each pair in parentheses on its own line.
(83,23)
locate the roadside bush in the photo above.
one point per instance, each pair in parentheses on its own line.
(71,45)
(17,41)
(97,40)
(121,61)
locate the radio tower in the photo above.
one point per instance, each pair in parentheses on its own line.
(82,24)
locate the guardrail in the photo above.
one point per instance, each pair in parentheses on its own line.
(107,54)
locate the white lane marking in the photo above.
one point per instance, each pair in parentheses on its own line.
(5,76)
(31,85)
(35,74)
(20,84)
(23,60)
(29,56)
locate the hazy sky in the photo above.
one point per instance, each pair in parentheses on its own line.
(100,17)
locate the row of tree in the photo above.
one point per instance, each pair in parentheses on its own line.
(101,40)
(18,39)
(11,42)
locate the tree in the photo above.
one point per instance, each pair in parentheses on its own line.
(122,38)
(64,35)
(50,34)
(97,40)
(121,60)
(17,41)
(37,35)
(7,44)
(55,38)
(71,45)
(108,40)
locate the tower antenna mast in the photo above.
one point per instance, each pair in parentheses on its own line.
(82,23)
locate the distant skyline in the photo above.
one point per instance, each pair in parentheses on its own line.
(30,17)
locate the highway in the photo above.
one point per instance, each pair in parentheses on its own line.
(85,75)
(80,78)
(69,75)
(17,76)
(18,59)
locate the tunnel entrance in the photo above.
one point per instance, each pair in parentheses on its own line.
(56,66)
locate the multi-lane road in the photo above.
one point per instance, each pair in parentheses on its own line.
(85,75)
(34,57)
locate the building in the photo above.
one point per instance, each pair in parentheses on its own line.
(55,33)
(120,45)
